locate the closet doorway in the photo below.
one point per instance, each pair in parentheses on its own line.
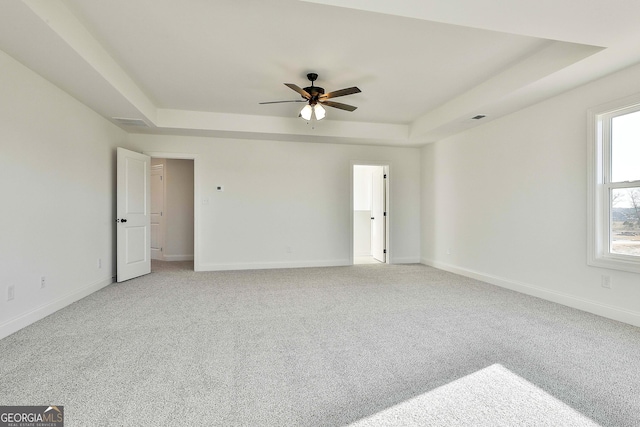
(172,209)
(370,219)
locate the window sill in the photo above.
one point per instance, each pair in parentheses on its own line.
(631,266)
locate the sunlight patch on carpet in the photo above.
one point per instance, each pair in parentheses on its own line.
(493,396)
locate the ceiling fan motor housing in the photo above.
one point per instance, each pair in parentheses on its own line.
(312,90)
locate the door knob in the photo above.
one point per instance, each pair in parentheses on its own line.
(372,218)
(123,220)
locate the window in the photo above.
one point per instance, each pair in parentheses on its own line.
(614,185)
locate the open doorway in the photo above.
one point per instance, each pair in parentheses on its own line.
(172,213)
(370,214)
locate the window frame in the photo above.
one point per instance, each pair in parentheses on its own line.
(599,186)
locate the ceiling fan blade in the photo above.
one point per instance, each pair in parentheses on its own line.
(298,89)
(341,92)
(279,102)
(339,105)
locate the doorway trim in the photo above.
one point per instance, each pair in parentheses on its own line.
(387,169)
(196,197)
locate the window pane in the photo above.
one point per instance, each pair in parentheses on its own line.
(625,148)
(625,221)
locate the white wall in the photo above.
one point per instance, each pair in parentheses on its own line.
(362,184)
(508,199)
(179,206)
(287,204)
(57,181)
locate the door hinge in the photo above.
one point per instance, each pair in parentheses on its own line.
(161,177)
(160,249)
(385,214)
(385,176)
(160,213)
(384,251)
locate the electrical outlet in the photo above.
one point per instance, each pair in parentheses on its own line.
(43,281)
(11,292)
(606,282)
(288,249)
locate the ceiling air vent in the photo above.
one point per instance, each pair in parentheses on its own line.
(130,122)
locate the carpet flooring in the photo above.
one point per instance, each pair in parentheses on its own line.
(493,396)
(311,347)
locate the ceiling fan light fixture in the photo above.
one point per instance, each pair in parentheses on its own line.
(320,111)
(306,111)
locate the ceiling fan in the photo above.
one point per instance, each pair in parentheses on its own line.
(315,98)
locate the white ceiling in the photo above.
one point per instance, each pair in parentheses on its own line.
(425,67)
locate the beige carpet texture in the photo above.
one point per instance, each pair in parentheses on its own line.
(364,345)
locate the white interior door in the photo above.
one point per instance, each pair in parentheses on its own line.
(378,220)
(133,215)
(157,211)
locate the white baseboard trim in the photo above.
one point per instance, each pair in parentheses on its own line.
(272,265)
(604,310)
(292,264)
(406,260)
(178,257)
(13,325)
